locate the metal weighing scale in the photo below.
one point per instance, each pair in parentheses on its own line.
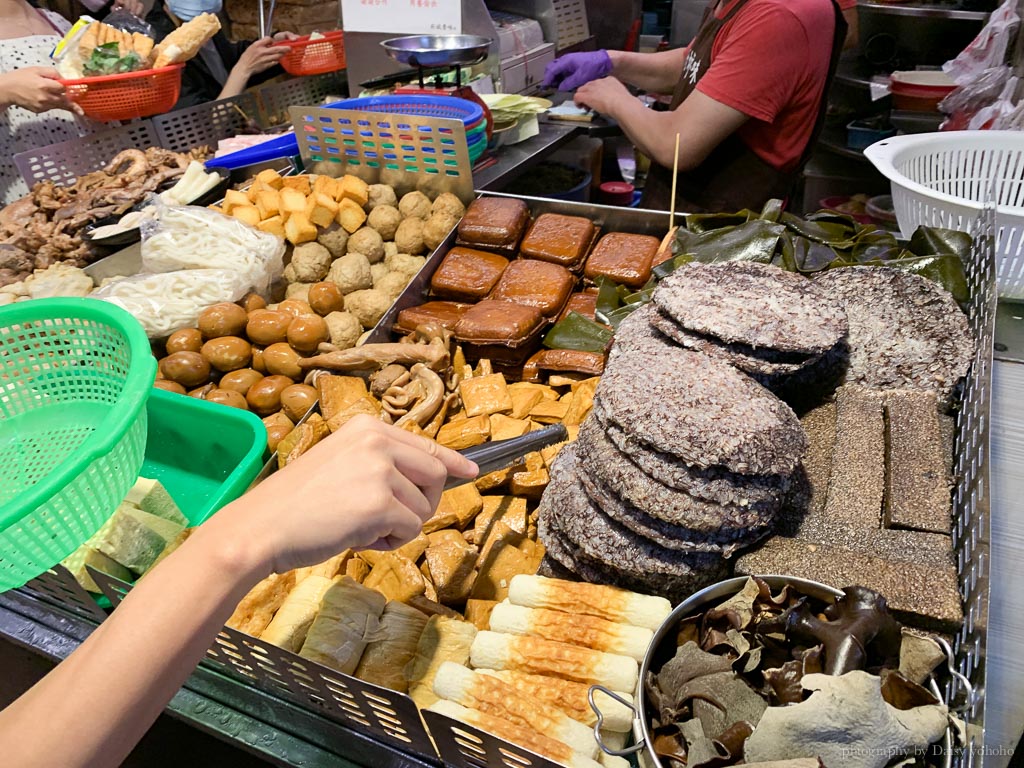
(441,52)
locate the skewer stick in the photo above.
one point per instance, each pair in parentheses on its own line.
(675,177)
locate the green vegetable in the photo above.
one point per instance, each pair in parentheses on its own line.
(579,333)
(752,241)
(106,60)
(927,241)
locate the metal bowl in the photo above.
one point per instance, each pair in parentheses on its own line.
(438,50)
(657,654)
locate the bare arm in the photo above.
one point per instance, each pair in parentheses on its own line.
(701,122)
(368,486)
(651,72)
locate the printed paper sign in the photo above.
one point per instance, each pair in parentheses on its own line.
(403,17)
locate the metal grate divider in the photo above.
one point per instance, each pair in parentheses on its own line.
(276,99)
(64,162)
(206,124)
(408,152)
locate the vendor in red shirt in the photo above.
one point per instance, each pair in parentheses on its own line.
(748,98)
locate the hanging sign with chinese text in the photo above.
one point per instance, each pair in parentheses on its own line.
(403,17)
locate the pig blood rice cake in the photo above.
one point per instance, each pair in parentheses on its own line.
(701,410)
(622,558)
(753,304)
(760,360)
(636,333)
(906,332)
(671,517)
(713,483)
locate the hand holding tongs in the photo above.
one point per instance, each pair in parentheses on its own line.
(491,457)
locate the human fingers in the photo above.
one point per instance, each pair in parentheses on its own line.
(556,71)
(454,462)
(411,496)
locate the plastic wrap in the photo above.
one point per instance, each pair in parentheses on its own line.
(189,237)
(167,301)
(192,258)
(129,22)
(988,49)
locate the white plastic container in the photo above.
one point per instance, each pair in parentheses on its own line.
(944,179)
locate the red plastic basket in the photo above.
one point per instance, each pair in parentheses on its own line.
(128,96)
(314,57)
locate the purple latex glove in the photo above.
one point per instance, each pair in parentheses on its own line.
(569,72)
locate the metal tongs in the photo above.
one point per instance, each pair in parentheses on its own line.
(491,457)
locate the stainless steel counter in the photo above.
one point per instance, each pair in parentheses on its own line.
(516,159)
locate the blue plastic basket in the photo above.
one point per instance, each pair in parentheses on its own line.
(424,106)
(448,107)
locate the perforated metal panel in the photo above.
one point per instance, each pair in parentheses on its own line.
(64,162)
(971,498)
(406,151)
(58,586)
(206,124)
(389,716)
(276,99)
(571,17)
(464,746)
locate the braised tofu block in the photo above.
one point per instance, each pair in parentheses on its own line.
(466,274)
(623,258)
(535,284)
(562,240)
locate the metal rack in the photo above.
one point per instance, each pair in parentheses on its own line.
(276,99)
(64,162)
(206,124)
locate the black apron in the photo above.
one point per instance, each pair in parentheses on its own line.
(732,177)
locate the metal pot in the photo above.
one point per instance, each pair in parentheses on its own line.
(697,602)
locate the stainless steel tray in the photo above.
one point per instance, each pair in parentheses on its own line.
(393,720)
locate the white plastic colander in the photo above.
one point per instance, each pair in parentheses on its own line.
(943,180)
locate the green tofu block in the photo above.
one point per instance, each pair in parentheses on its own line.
(87,556)
(134,538)
(150,496)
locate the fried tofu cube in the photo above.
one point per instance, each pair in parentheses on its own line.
(465,433)
(269,203)
(524,401)
(500,561)
(366,405)
(298,183)
(485,394)
(350,215)
(478,613)
(324,185)
(581,403)
(321,210)
(301,439)
(504,428)
(292,201)
(247,214)
(510,511)
(549,412)
(299,229)
(339,392)
(493,481)
(546,392)
(355,189)
(233,198)
(549,453)
(273,226)
(395,577)
(357,569)
(271,178)
(530,484)
(457,509)
(452,570)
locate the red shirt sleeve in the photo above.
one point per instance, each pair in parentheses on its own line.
(757,61)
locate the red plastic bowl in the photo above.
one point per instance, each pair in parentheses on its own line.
(127,96)
(314,57)
(920,91)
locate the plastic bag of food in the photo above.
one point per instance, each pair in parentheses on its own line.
(129,22)
(189,237)
(166,301)
(988,49)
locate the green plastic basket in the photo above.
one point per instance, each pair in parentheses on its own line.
(74,377)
